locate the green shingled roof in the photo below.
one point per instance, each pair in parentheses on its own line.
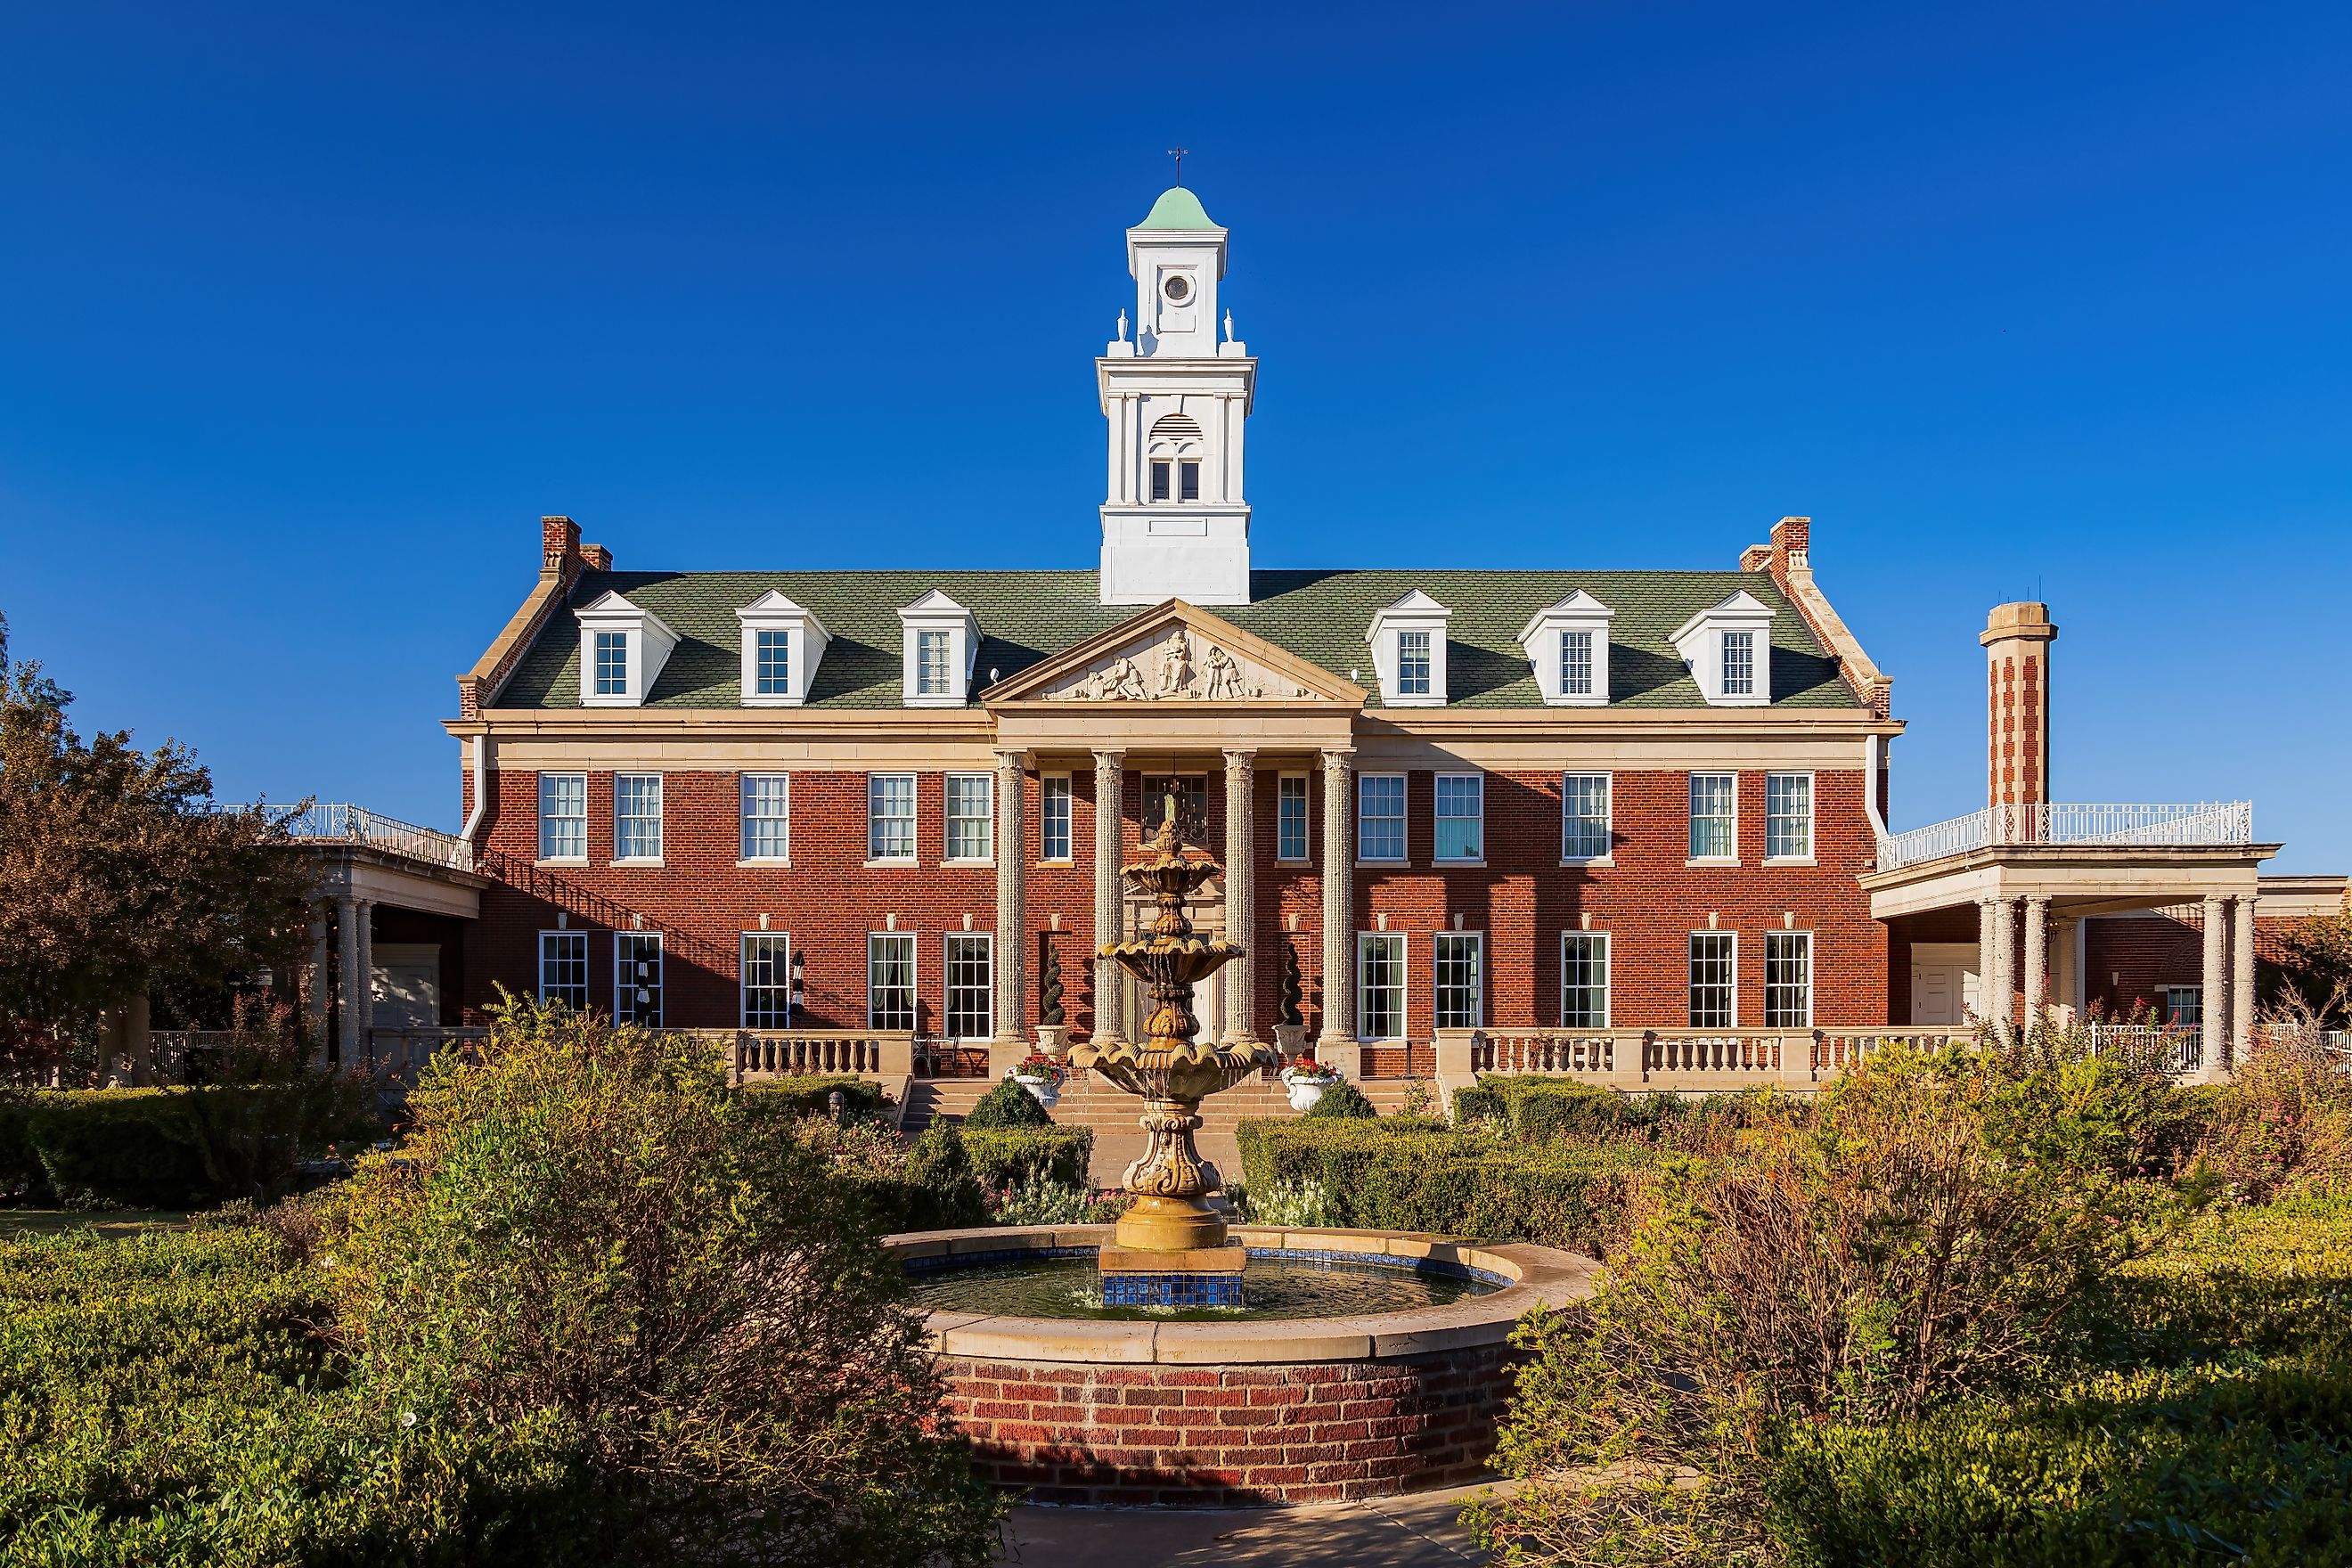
(1176,208)
(1321,617)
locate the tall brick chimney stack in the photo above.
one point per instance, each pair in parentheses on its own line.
(558,547)
(2017,639)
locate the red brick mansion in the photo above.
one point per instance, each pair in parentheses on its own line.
(1521,809)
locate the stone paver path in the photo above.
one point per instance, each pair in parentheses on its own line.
(1415,1531)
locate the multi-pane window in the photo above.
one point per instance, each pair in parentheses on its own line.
(1584,816)
(1053,817)
(1380,986)
(1714,808)
(1290,817)
(1789,979)
(767,816)
(1379,816)
(1576,664)
(772,657)
(1161,472)
(2184,1005)
(972,989)
(1461,817)
(611,664)
(932,664)
(563,968)
(1186,474)
(890,817)
(971,799)
(1460,979)
(767,980)
(562,816)
(636,816)
(1412,664)
(890,980)
(1583,980)
(1192,793)
(1788,816)
(637,977)
(1740,664)
(1714,970)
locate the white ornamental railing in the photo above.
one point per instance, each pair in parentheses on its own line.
(338,822)
(2199,822)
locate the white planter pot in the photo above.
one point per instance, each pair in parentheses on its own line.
(1303,1096)
(1045,1091)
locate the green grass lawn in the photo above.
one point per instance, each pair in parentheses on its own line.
(112,1224)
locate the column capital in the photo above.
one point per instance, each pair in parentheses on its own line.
(1012,756)
(1338,756)
(1109,757)
(1241,756)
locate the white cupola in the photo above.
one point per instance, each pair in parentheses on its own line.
(1567,644)
(783,646)
(1408,641)
(1175,522)
(941,644)
(1728,648)
(622,651)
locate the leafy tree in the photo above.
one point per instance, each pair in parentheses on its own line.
(118,875)
(588,1232)
(2315,968)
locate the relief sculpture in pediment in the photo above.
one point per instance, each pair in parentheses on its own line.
(1216,676)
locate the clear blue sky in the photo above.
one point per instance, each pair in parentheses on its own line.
(307,312)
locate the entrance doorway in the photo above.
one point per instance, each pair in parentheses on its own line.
(1943,982)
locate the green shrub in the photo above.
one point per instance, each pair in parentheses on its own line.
(1540,1110)
(1036,1200)
(1002,1156)
(1343,1102)
(935,1190)
(1007,1105)
(814,1095)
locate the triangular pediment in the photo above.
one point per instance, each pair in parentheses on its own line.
(1175,652)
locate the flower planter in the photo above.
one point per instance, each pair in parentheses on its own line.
(1043,1091)
(1303,1096)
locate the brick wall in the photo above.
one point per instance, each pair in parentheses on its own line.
(2128,960)
(1222,1436)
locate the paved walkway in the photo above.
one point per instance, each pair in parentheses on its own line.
(1416,1531)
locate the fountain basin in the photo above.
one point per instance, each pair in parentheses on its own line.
(1238,1410)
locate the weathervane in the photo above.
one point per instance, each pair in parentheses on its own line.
(1178,153)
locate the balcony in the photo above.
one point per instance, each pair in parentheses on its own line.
(2228,822)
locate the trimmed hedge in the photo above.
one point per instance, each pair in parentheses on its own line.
(1542,1110)
(812,1093)
(124,1148)
(1003,1156)
(1343,1102)
(1380,1176)
(1006,1105)
(937,1189)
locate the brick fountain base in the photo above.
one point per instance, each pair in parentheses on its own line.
(1245,1412)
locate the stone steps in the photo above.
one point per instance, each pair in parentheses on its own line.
(1108,1110)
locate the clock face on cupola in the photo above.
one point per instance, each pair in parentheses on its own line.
(1175,520)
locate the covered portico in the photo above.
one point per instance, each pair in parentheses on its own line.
(2024,878)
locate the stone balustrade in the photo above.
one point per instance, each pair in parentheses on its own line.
(1699,1062)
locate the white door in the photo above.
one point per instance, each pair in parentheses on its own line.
(1932,1001)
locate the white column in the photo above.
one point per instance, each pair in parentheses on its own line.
(315,1002)
(1338,1019)
(1241,893)
(2242,978)
(364,917)
(2004,964)
(1986,947)
(1012,907)
(2065,972)
(1110,775)
(2212,1000)
(347,964)
(2037,960)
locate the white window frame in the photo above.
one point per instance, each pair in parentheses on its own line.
(1438,856)
(913,948)
(1415,669)
(1803,857)
(621,782)
(1742,684)
(568,857)
(1691,978)
(1399,944)
(1732,858)
(570,939)
(950,821)
(1057,811)
(1438,987)
(804,639)
(1404,819)
(777,682)
(782,942)
(1545,639)
(624,983)
(1284,793)
(614,682)
(948,988)
(1803,939)
(2172,1018)
(874,856)
(1601,939)
(747,786)
(929,682)
(1570,852)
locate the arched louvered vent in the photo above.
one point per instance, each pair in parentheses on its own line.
(1175,427)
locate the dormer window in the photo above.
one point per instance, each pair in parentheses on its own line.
(783,645)
(1568,649)
(622,651)
(1728,648)
(1408,641)
(941,644)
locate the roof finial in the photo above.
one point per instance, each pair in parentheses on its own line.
(1178,153)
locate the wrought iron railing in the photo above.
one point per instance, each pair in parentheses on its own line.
(2199,822)
(339,821)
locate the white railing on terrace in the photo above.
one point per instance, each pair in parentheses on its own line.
(2201,822)
(323,822)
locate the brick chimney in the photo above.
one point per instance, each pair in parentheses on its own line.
(558,547)
(2017,639)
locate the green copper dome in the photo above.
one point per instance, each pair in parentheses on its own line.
(1177,208)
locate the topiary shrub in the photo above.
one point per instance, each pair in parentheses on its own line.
(1003,1157)
(1343,1101)
(813,1094)
(1007,1105)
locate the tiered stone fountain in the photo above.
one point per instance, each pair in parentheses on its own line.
(1169,1249)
